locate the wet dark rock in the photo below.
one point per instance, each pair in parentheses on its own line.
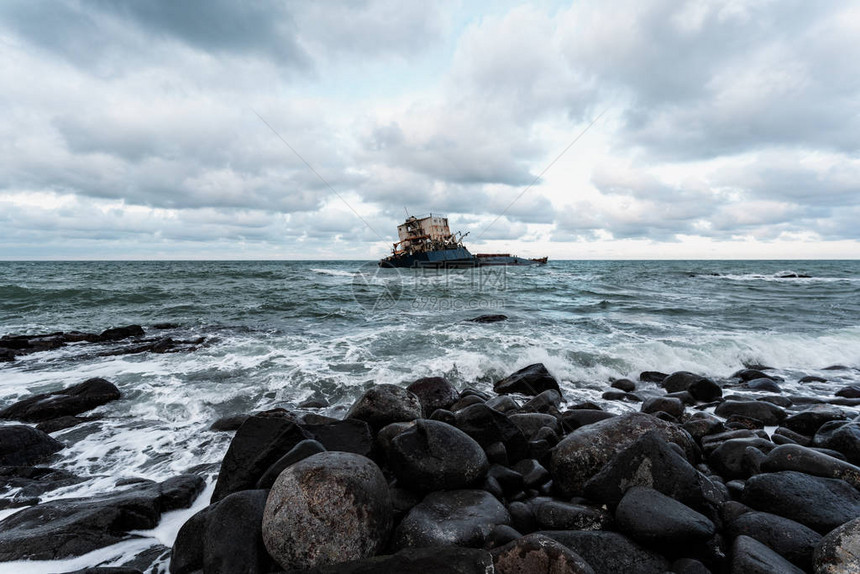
(842,437)
(233,535)
(453,517)
(730,459)
(770,415)
(791,540)
(503,404)
(530,423)
(299,452)
(652,518)
(749,556)
(651,461)
(385,404)
(583,452)
(466,401)
(625,385)
(742,422)
(23,445)
(73,527)
(488,426)
(822,504)
(313,403)
(438,560)
(812,379)
(258,444)
(839,551)
(119,333)
(6,355)
(350,435)
(679,381)
(746,375)
(704,390)
(763,384)
(331,507)
(434,393)
(777,400)
(534,474)
(849,392)
(610,552)
(790,436)
(30,482)
(488,319)
(810,461)
(436,456)
(62,423)
(502,534)
(667,405)
(809,421)
(531,380)
(537,554)
(67,402)
(553,514)
(548,401)
(228,423)
(107,570)
(701,425)
(652,377)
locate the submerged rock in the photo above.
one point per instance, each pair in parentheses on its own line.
(331,507)
(67,402)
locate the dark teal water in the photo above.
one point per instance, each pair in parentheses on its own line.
(280,332)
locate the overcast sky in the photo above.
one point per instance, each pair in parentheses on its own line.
(729,129)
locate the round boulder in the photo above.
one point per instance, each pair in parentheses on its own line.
(328,508)
(382,405)
(839,551)
(433,455)
(434,393)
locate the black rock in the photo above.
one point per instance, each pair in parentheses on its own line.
(438,560)
(822,504)
(62,423)
(30,482)
(531,380)
(667,405)
(849,392)
(313,403)
(73,527)
(679,381)
(228,423)
(538,554)
(610,552)
(625,385)
(730,459)
(467,401)
(749,556)
(573,419)
(548,401)
(385,404)
(331,507)
(770,415)
(689,566)
(530,423)
(434,393)
(651,461)
(750,375)
(704,390)
(503,404)
(812,379)
(652,377)
(652,518)
(791,540)
(763,384)
(453,517)
(119,333)
(534,474)
(436,456)
(553,514)
(350,435)
(810,461)
(107,570)
(582,454)
(809,421)
(67,402)
(839,551)
(23,445)
(258,444)
(841,437)
(488,319)
(299,452)
(488,426)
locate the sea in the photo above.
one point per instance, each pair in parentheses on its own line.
(277,333)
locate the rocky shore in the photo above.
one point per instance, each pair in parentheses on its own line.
(697,475)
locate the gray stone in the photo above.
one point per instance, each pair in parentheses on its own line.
(839,551)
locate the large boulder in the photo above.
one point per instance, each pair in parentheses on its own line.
(682,381)
(23,445)
(350,435)
(434,393)
(769,414)
(433,455)
(438,560)
(452,517)
(382,405)
(809,421)
(258,444)
(749,556)
(822,504)
(842,437)
(73,527)
(654,519)
(583,453)
(66,402)
(328,508)
(810,461)
(788,538)
(299,452)
(839,551)
(538,554)
(610,552)
(651,461)
(489,426)
(531,380)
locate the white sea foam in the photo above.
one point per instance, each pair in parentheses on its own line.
(334,272)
